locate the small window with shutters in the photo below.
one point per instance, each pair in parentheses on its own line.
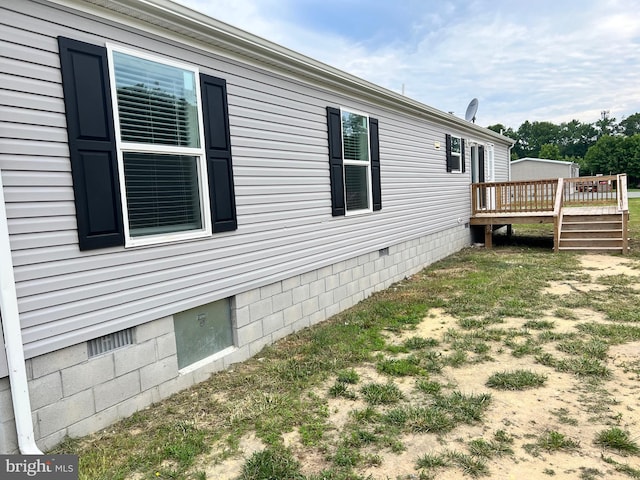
(455,154)
(354,162)
(149,147)
(356,158)
(160,148)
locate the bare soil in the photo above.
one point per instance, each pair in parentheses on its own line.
(525,415)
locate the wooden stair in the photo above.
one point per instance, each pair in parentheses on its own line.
(594,233)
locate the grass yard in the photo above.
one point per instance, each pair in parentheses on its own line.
(541,235)
(505,363)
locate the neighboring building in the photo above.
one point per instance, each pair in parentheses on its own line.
(542,169)
(179,193)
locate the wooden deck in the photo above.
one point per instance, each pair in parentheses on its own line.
(597,213)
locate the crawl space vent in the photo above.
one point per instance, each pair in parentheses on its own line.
(110,342)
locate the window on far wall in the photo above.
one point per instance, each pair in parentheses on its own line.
(354,162)
(455,154)
(160,148)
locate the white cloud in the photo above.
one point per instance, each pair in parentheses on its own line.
(543,60)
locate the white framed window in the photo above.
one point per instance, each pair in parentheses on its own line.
(160,147)
(356,155)
(456,154)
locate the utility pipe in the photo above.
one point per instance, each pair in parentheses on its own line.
(13,340)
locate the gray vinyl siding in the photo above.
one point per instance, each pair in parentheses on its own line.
(280,156)
(501,161)
(539,170)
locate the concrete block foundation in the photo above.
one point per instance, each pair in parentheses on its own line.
(74,395)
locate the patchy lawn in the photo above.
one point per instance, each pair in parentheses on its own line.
(511,363)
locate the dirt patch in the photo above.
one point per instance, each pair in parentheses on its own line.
(566,287)
(232,467)
(599,265)
(434,325)
(565,404)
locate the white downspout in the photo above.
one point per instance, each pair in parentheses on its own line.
(13,340)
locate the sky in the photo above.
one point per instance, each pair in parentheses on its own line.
(536,60)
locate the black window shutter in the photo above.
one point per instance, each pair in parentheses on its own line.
(92,148)
(376,187)
(448,152)
(463,167)
(336,175)
(218,151)
(481,176)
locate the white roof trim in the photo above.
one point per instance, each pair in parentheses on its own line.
(194,25)
(543,160)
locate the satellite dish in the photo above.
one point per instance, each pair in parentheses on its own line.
(470,116)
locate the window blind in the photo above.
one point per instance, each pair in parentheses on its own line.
(357,188)
(156,102)
(355,133)
(162,193)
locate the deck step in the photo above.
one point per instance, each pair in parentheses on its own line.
(592,218)
(591,226)
(591,242)
(617,233)
(591,249)
(593,233)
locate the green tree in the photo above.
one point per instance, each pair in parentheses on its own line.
(575,138)
(632,149)
(549,151)
(615,155)
(584,169)
(605,155)
(506,131)
(630,125)
(606,125)
(531,137)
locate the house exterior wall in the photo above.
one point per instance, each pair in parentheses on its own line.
(502,159)
(285,228)
(8,435)
(73,395)
(536,169)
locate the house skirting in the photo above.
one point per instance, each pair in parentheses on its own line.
(74,395)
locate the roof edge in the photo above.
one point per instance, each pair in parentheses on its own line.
(545,160)
(192,24)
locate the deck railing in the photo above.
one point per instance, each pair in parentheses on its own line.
(501,202)
(543,195)
(623,206)
(585,191)
(622,196)
(513,197)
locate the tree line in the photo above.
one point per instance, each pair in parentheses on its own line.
(605,146)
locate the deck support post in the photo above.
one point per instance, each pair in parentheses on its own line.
(488,236)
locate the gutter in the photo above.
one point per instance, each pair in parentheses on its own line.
(195,26)
(13,340)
